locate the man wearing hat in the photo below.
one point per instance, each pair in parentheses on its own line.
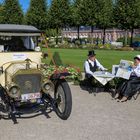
(131,86)
(91,65)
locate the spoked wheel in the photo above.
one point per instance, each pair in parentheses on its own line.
(63,100)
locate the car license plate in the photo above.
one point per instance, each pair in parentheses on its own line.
(30,96)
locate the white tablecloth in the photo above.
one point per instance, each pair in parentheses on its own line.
(103,77)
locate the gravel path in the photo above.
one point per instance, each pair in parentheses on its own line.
(93,118)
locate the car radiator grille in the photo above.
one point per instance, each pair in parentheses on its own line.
(28,83)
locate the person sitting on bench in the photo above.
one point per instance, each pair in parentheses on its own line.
(131,86)
(90,66)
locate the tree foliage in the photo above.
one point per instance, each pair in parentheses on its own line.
(1,13)
(59,13)
(104,13)
(127,14)
(76,17)
(12,12)
(37,14)
(75,8)
(87,10)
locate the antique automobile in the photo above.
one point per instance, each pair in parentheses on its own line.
(23,87)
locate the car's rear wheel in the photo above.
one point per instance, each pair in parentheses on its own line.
(63,100)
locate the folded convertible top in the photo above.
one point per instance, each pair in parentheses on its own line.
(18,30)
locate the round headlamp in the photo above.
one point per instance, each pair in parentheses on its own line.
(48,87)
(14,91)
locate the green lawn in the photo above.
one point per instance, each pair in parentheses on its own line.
(78,56)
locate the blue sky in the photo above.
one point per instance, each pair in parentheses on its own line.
(24,4)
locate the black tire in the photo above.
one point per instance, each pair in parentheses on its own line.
(63,99)
(4,107)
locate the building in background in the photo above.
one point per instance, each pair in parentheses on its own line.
(111,34)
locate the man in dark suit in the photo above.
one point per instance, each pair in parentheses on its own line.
(90,66)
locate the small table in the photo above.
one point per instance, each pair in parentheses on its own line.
(103,77)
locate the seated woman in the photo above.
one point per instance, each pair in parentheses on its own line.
(131,86)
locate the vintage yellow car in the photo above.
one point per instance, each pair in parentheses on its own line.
(23,87)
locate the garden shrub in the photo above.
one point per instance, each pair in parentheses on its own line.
(128,39)
(125,49)
(137,48)
(122,39)
(136,39)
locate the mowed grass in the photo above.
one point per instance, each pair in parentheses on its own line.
(77,57)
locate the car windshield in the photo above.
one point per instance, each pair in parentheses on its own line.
(15,38)
(15,44)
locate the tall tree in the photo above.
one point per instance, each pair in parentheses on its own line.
(37,14)
(104,15)
(87,10)
(76,18)
(12,12)
(127,16)
(59,14)
(1,13)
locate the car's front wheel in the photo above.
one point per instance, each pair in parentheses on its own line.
(63,99)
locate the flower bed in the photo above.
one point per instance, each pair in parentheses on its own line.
(74,72)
